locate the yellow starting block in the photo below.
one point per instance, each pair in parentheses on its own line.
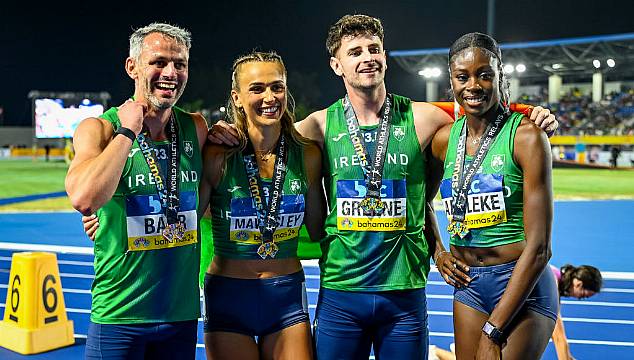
(35,316)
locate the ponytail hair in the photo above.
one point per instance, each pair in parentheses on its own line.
(588,275)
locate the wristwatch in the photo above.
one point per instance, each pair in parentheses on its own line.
(493,333)
(125,132)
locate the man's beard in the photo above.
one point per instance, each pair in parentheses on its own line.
(367,84)
(163,104)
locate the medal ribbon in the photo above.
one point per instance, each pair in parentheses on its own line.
(167,188)
(267,218)
(461,181)
(372,172)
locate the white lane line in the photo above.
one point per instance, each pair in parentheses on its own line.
(63,262)
(88,250)
(599,321)
(78,263)
(434,282)
(440,334)
(76,291)
(84,336)
(617,275)
(311,263)
(440,313)
(69,275)
(572,341)
(597,303)
(445,297)
(66,290)
(601,342)
(68,310)
(618,290)
(80,276)
(51,248)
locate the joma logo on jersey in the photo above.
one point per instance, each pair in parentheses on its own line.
(391,158)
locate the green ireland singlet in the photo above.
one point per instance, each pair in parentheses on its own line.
(495,199)
(140,277)
(387,252)
(235,231)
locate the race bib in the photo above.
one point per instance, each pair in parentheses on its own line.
(485,201)
(244,220)
(350,216)
(146,222)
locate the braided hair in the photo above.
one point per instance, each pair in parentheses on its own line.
(237,115)
(487,44)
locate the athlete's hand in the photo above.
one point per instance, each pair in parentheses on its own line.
(454,271)
(544,119)
(488,350)
(223,133)
(91,224)
(131,115)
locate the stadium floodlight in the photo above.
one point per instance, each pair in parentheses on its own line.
(520,68)
(85,102)
(430,72)
(611,63)
(596,63)
(508,69)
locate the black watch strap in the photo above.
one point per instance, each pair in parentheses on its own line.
(493,333)
(125,132)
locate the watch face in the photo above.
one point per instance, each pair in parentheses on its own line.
(488,328)
(492,332)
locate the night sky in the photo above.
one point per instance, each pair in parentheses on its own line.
(82,47)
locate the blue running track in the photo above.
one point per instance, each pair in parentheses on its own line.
(584,232)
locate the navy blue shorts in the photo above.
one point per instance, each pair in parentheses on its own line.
(349,323)
(174,340)
(254,307)
(489,282)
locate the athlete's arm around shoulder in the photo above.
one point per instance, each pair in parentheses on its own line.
(315,214)
(201,128)
(213,169)
(313,127)
(95,171)
(428,119)
(435,154)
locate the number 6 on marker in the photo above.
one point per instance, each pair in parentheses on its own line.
(15,297)
(45,296)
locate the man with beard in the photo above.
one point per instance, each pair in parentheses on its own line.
(138,167)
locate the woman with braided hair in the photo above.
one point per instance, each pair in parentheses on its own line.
(496,187)
(259,194)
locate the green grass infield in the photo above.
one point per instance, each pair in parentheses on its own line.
(27,177)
